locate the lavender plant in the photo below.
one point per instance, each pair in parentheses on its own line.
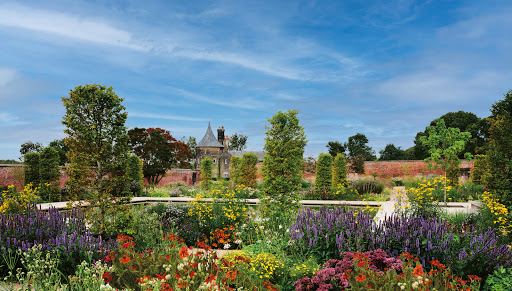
(62,232)
(328,233)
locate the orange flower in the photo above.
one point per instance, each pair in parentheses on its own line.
(418,271)
(361,264)
(183,252)
(125,259)
(360,277)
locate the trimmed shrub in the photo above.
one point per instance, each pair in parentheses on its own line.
(31,161)
(206,173)
(480,172)
(235,169)
(135,174)
(248,170)
(323,175)
(339,171)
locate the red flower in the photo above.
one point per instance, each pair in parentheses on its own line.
(125,259)
(107,277)
(361,277)
(361,264)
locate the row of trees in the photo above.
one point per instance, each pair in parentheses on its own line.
(464,121)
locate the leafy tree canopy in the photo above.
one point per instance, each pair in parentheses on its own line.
(465,122)
(159,151)
(62,149)
(30,147)
(356,146)
(391,152)
(499,154)
(237,142)
(335,148)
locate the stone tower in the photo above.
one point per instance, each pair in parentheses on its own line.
(213,148)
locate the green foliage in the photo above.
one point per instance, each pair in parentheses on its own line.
(97,141)
(323,175)
(206,173)
(62,149)
(235,170)
(284,149)
(49,174)
(480,172)
(98,153)
(356,164)
(135,175)
(367,186)
(237,142)
(356,146)
(465,122)
(391,152)
(500,280)
(30,147)
(32,168)
(339,171)
(500,150)
(335,148)
(445,144)
(248,170)
(49,170)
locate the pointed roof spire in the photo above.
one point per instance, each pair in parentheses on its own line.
(209,140)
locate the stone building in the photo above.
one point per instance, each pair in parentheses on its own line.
(217,148)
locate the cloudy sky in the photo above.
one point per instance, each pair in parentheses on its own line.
(382,68)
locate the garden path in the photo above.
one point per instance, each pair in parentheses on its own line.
(387,208)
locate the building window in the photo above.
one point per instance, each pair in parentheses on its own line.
(225,161)
(226,175)
(214,161)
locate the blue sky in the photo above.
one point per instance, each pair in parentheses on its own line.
(382,68)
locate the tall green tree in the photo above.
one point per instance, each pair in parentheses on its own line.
(49,170)
(339,171)
(31,161)
(159,152)
(444,146)
(323,180)
(335,148)
(500,150)
(248,170)
(237,142)
(235,171)
(284,150)
(62,150)
(98,153)
(97,138)
(206,173)
(465,122)
(357,145)
(391,152)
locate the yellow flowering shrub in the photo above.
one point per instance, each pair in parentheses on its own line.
(267,267)
(425,197)
(307,268)
(498,212)
(15,202)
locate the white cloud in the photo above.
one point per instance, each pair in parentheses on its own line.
(161,116)
(239,103)
(8,119)
(71,26)
(7,76)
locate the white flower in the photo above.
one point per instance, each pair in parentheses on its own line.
(227,246)
(238,241)
(280,226)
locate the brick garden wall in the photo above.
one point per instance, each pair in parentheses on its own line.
(7,176)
